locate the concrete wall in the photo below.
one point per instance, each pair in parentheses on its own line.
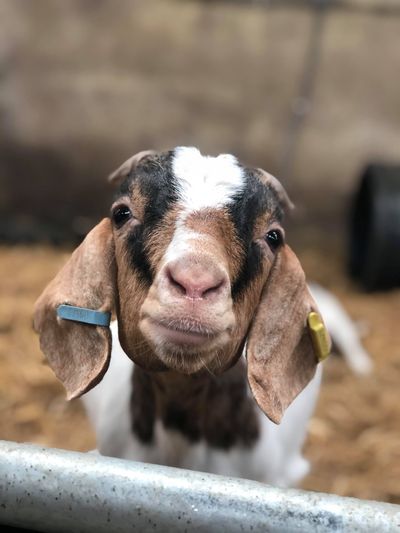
(84,84)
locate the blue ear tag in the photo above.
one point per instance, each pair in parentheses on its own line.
(84,315)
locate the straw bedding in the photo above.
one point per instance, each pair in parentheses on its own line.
(354,438)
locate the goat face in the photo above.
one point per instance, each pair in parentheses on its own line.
(194,263)
(192,256)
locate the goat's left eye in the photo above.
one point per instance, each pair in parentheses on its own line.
(120,215)
(274,239)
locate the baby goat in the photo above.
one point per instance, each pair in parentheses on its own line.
(194,263)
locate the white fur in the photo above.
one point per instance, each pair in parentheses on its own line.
(179,244)
(275,459)
(203,181)
(206,181)
(342,330)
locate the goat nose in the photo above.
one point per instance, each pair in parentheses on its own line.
(196,281)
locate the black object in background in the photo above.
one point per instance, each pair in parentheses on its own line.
(374,247)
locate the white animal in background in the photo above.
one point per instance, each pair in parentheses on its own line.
(213,343)
(343,331)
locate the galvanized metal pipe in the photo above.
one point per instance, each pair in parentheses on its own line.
(56,490)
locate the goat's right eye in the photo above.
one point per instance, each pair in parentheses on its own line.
(274,238)
(120,215)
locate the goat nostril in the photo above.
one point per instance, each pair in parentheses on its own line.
(212,290)
(178,286)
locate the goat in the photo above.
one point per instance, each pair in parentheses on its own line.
(194,264)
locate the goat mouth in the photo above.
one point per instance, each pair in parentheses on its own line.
(183,332)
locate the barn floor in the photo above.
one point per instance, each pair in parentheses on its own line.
(354,439)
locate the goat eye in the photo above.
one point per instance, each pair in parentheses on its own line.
(120,215)
(274,239)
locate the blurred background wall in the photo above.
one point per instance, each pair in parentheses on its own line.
(87,83)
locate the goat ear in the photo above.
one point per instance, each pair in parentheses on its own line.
(280,352)
(283,196)
(122,172)
(79,353)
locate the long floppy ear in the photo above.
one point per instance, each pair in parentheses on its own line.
(122,172)
(79,353)
(281,357)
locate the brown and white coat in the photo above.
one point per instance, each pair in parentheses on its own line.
(211,307)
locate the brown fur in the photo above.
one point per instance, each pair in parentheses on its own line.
(200,406)
(217,224)
(138,201)
(280,355)
(160,239)
(143,405)
(79,354)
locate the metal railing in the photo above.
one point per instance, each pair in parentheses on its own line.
(56,490)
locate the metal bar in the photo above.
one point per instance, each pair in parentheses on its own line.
(56,490)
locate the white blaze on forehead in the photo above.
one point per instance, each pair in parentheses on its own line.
(182,243)
(205,181)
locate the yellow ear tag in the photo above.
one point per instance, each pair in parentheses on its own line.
(319,336)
